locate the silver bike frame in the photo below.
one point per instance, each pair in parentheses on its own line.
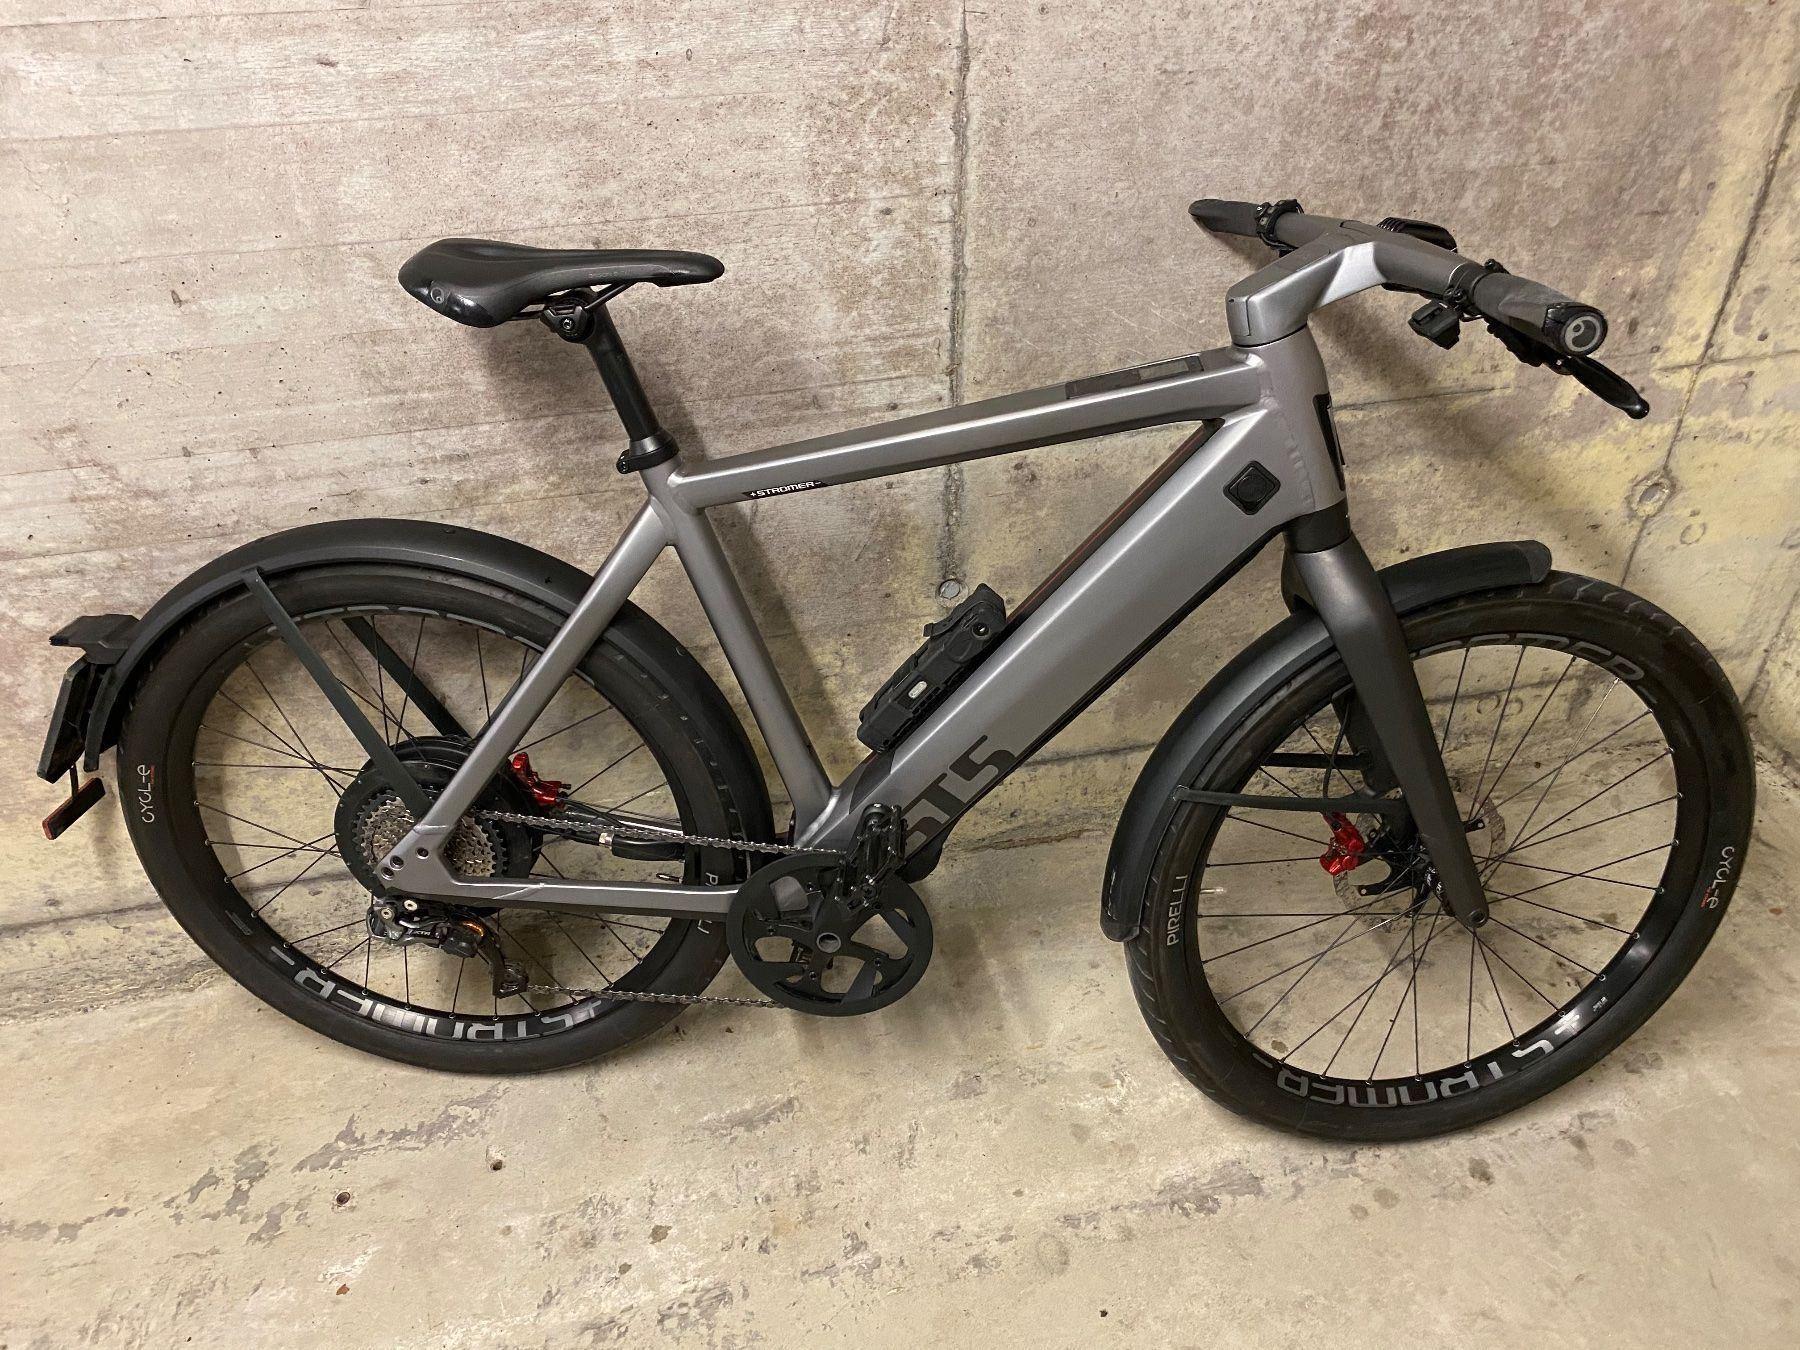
(1170,545)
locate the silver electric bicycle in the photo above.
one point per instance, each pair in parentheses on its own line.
(1426,849)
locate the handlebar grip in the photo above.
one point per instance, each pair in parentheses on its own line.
(1565,326)
(1225,217)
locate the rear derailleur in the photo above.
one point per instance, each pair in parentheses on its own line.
(406,922)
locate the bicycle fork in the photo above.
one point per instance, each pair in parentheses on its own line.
(1343,589)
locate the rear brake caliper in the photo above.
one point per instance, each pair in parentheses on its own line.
(1348,851)
(546,792)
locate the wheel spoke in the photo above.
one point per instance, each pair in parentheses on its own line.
(1510,1030)
(1367,996)
(1389,966)
(1502,895)
(608,769)
(1554,773)
(1263,862)
(1591,874)
(208,806)
(1334,946)
(378,689)
(1494,786)
(1276,829)
(281,712)
(1358,911)
(1450,717)
(1469,1028)
(1562,956)
(291,880)
(1488,948)
(1499,721)
(1290,989)
(326,932)
(300,763)
(312,846)
(1526,842)
(579,721)
(487,703)
(406,686)
(1411,988)
(1592,824)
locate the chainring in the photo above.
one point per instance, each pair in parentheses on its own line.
(809,950)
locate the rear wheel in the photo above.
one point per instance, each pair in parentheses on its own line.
(1600,762)
(259,820)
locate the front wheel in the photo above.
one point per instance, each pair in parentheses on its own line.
(1298,967)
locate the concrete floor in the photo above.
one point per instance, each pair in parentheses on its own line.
(1005,1154)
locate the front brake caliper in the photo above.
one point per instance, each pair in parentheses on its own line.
(1348,851)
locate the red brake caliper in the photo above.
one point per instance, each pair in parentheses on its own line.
(546,792)
(1348,851)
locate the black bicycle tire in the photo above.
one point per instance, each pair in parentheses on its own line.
(1202,1043)
(639,681)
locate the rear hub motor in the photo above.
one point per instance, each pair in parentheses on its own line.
(371,818)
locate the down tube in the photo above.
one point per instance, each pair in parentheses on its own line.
(1184,540)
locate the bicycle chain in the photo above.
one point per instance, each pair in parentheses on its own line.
(646,996)
(596,834)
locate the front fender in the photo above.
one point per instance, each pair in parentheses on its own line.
(1275,657)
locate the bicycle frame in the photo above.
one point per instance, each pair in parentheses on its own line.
(1176,539)
(1173,542)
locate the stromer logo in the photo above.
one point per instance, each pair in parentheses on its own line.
(949,796)
(785,488)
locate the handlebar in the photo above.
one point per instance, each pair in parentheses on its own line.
(1225,217)
(1415,256)
(1541,313)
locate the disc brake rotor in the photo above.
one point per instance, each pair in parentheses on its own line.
(1487,837)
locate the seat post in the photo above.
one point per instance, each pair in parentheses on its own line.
(650,444)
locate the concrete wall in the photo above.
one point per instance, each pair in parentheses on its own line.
(918,202)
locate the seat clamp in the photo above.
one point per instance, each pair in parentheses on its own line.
(647,452)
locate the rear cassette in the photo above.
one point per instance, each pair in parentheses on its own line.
(811,949)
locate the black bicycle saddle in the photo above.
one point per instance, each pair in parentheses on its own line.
(483,282)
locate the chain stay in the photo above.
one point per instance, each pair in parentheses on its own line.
(594,834)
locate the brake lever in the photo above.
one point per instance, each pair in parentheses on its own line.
(1597,379)
(1607,383)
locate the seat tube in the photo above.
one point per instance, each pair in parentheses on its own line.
(716,584)
(1359,616)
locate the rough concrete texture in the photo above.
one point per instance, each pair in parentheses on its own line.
(1003,1156)
(918,202)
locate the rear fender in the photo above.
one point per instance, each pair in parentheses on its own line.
(130,649)
(1274,658)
